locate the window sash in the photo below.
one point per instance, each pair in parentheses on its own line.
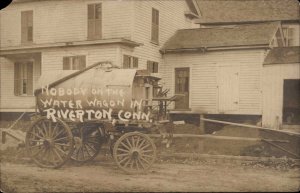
(26,26)
(152,67)
(23,79)
(94,21)
(74,62)
(130,62)
(155,26)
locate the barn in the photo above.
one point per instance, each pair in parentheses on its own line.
(281,88)
(218,70)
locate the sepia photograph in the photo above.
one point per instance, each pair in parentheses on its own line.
(149,96)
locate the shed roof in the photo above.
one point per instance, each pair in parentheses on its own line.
(283,55)
(237,36)
(231,11)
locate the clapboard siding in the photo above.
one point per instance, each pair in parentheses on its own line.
(273,78)
(64,21)
(204,78)
(53,59)
(171,18)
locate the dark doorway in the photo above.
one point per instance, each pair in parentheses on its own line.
(182,84)
(291,102)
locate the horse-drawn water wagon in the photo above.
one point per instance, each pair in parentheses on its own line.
(101,104)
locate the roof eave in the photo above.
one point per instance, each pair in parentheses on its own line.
(218,48)
(201,21)
(33,47)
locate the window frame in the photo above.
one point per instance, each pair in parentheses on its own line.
(27,27)
(94,21)
(130,62)
(152,67)
(23,74)
(155,26)
(69,62)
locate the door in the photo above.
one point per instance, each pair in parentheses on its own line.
(182,83)
(228,86)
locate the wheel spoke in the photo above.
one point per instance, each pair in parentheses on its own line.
(37,135)
(82,152)
(137,142)
(147,145)
(58,155)
(146,151)
(126,158)
(145,160)
(85,146)
(40,130)
(127,163)
(139,160)
(62,144)
(128,142)
(144,155)
(123,150)
(60,150)
(125,145)
(38,152)
(143,141)
(60,132)
(91,147)
(45,129)
(59,139)
(54,130)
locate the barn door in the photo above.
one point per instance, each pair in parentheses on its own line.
(182,78)
(228,86)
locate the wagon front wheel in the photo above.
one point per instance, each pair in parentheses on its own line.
(49,144)
(134,152)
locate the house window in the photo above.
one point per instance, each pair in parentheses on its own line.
(155,26)
(94,21)
(152,67)
(23,78)
(130,62)
(26,26)
(74,63)
(288,34)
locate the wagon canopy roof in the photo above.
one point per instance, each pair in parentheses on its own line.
(283,55)
(92,76)
(235,11)
(216,37)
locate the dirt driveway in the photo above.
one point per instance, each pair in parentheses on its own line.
(102,175)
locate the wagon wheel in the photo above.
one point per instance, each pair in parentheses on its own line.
(49,144)
(134,152)
(88,142)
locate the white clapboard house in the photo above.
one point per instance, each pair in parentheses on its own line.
(39,36)
(221,68)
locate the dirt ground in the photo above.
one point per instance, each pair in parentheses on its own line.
(19,174)
(102,175)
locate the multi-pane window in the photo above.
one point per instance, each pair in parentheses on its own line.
(94,21)
(155,26)
(74,63)
(152,67)
(23,78)
(130,62)
(26,26)
(288,34)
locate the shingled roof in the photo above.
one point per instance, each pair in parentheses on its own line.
(241,35)
(283,55)
(234,11)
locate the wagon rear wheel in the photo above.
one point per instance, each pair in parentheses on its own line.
(49,144)
(134,152)
(88,141)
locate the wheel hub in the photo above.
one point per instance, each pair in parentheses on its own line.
(48,143)
(78,142)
